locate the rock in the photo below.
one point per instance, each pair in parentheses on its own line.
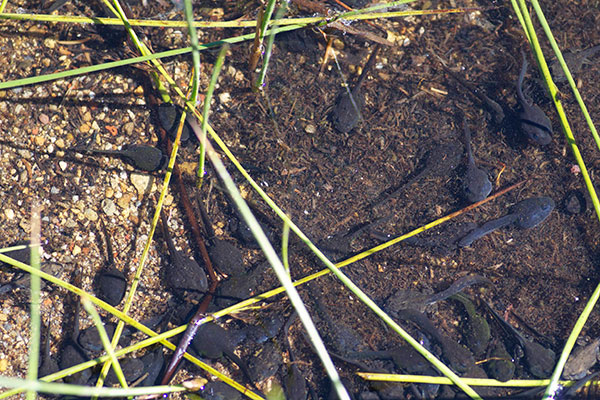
(109,207)
(142,183)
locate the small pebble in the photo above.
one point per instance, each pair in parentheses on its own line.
(310,129)
(76,250)
(91,215)
(50,43)
(574,202)
(9,213)
(44,119)
(140,182)
(125,201)
(63,165)
(128,128)
(39,140)
(109,207)
(84,128)
(224,97)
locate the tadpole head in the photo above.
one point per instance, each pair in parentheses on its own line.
(169,116)
(111,285)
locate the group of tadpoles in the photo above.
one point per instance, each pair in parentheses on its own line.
(187,275)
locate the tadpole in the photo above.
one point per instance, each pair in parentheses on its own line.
(539,359)
(111,283)
(72,354)
(169,115)
(534,122)
(574,60)
(224,255)
(346,112)
(476,183)
(460,358)
(525,214)
(182,273)
(213,341)
(295,383)
(440,160)
(48,364)
(141,156)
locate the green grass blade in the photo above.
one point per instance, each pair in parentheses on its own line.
(115,64)
(206,109)
(89,307)
(524,17)
(261,33)
(82,391)
(35,287)
(275,262)
(285,239)
(440,380)
(289,24)
(189,16)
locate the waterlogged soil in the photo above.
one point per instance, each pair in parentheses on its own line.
(324,180)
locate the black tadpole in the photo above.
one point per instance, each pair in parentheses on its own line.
(439,161)
(346,113)
(169,116)
(535,124)
(182,273)
(141,156)
(476,183)
(48,364)
(72,353)
(525,214)
(111,283)
(226,257)
(540,360)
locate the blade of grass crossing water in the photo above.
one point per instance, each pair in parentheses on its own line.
(35,287)
(77,390)
(189,16)
(206,109)
(275,262)
(285,239)
(554,384)
(265,21)
(89,307)
(525,19)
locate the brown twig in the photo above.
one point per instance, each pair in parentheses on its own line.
(197,235)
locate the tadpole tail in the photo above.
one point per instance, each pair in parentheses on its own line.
(166,234)
(488,102)
(210,232)
(109,247)
(486,228)
(458,287)
(522,77)
(243,367)
(508,328)
(367,67)
(105,152)
(467,136)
